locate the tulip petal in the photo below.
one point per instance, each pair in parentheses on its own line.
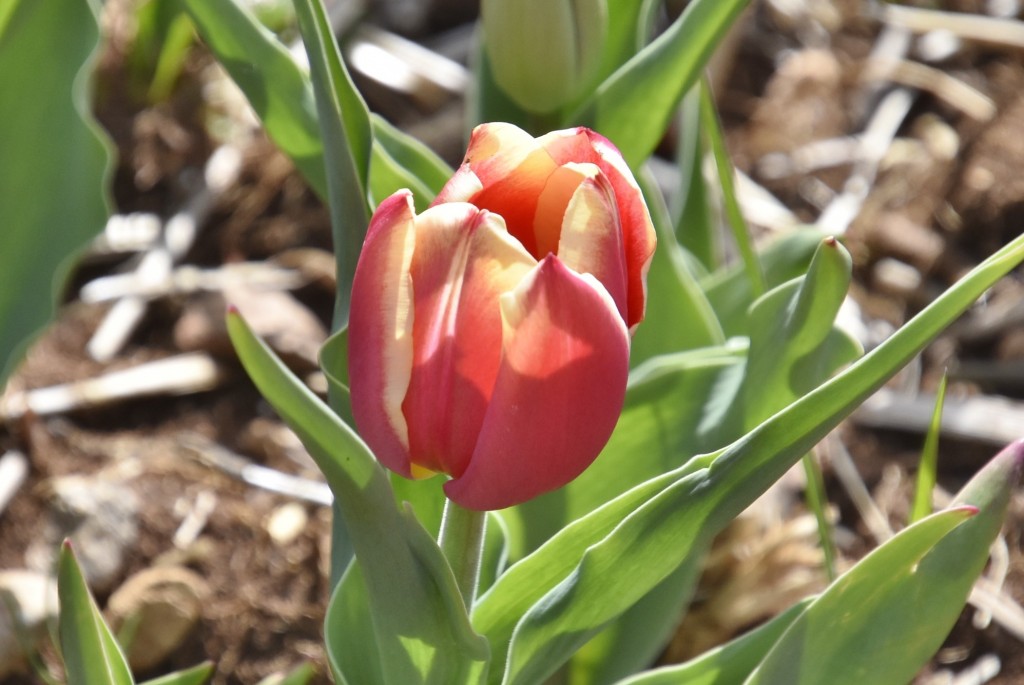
(639,240)
(512,169)
(463,262)
(461,187)
(380,344)
(558,394)
(552,203)
(591,237)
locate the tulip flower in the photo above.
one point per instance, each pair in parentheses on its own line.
(545,53)
(489,335)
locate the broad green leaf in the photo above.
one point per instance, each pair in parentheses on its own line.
(424,172)
(197,675)
(741,234)
(635,639)
(278,90)
(627,33)
(354,656)
(53,195)
(334,363)
(794,345)
(421,625)
(497,611)
(658,76)
(300,675)
(347,138)
(883,619)
(793,348)
(904,610)
(785,258)
(352,650)
(927,471)
(674,515)
(679,316)
(90,653)
(729,664)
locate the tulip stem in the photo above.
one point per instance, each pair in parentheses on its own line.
(462,541)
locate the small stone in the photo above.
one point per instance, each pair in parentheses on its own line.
(287,522)
(101,518)
(156,609)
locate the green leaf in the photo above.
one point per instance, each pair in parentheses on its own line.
(741,235)
(726,665)
(282,95)
(627,33)
(729,292)
(278,90)
(334,363)
(197,675)
(794,345)
(53,191)
(679,316)
(635,639)
(794,348)
(407,162)
(928,470)
(421,625)
(353,653)
(896,606)
(347,137)
(602,564)
(658,76)
(90,653)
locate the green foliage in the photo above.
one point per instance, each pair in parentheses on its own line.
(907,593)
(91,655)
(716,141)
(658,77)
(679,316)
(927,471)
(421,627)
(53,189)
(277,89)
(347,139)
(726,665)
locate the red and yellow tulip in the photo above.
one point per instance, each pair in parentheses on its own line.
(489,336)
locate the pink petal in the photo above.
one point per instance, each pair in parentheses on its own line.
(461,187)
(558,393)
(380,332)
(591,237)
(463,262)
(583,145)
(512,169)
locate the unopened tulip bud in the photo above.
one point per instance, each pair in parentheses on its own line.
(544,53)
